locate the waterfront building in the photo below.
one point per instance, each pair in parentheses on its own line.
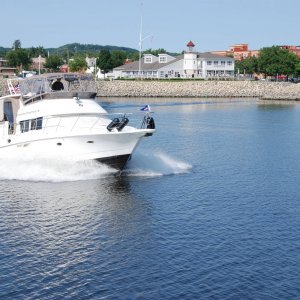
(5,70)
(3,62)
(190,64)
(294,49)
(241,51)
(93,69)
(238,52)
(37,63)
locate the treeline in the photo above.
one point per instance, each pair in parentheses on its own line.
(107,57)
(272,61)
(68,48)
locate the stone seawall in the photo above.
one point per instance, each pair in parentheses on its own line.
(227,89)
(2,87)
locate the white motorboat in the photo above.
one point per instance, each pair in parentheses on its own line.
(66,123)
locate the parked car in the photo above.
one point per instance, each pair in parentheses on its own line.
(294,80)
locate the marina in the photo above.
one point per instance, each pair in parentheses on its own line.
(150,150)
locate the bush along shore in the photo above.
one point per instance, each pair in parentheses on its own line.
(189,88)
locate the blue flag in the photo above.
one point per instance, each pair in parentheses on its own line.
(146,108)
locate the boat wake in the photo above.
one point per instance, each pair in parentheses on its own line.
(51,170)
(58,170)
(155,164)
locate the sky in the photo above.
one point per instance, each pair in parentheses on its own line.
(169,24)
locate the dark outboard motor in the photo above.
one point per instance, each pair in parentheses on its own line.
(113,124)
(150,123)
(122,124)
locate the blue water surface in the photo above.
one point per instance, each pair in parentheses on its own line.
(208,208)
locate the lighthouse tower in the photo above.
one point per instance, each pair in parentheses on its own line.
(190,46)
(190,61)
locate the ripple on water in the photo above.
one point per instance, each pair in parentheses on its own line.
(198,214)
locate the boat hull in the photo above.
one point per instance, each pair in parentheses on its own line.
(117,162)
(112,149)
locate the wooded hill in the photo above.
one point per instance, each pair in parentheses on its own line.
(77,48)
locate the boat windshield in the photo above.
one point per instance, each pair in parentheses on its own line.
(72,82)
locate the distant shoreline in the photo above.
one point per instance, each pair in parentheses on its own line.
(194,89)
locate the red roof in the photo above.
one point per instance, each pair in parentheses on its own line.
(190,44)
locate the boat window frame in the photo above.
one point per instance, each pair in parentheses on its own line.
(31,124)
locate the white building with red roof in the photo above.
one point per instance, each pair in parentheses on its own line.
(190,64)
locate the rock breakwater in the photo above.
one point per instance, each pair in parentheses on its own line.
(201,89)
(227,89)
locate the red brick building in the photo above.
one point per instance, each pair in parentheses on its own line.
(238,52)
(241,51)
(294,49)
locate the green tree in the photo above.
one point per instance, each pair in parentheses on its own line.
(3,52)
(36,51)
(155,52)
(274,61)
(133,56)
(247,66)
(104,61)
(18,58)
(16,45)
(53,62)
(77,64)
(118,58)
(297,68)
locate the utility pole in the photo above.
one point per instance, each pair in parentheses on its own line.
(141,46)
(40,64)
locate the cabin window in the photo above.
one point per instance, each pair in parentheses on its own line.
(8,111)
(39,123)
(24,125)
(33,124)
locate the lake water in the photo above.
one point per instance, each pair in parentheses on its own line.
(208,208)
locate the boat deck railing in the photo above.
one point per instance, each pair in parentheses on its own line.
(68,123)
(30,98)
(71,123)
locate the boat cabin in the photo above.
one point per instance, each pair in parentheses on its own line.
(57,85)
(15,108)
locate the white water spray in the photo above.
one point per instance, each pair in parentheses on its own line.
(59,170)
(155,164)
(51,170)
